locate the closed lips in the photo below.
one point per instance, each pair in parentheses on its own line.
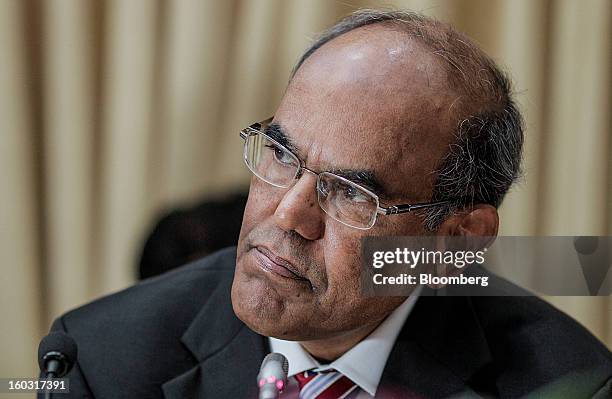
(277,260)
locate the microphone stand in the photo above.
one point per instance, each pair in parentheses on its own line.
(50,375)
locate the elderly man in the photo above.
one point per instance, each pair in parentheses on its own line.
(392,125)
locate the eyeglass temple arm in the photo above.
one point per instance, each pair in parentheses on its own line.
(396,209)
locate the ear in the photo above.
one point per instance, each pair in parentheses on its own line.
(480,220)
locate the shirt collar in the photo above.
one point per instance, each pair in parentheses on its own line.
(364,363)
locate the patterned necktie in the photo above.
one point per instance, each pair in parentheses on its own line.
(328,384)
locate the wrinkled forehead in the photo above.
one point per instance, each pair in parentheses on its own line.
(370,99)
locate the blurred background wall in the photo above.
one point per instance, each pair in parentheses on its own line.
(112,110)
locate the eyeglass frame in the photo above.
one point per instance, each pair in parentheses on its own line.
(256,127)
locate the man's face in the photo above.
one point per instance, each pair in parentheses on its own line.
(372,101)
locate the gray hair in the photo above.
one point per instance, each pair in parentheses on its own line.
(485,158)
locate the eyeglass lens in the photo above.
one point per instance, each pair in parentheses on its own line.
(342,199)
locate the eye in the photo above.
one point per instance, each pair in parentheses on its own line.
(281,155)
(354,194)
(350,192)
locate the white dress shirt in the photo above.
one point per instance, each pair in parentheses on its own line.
(363,364)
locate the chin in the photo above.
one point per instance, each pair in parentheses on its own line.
(256,305)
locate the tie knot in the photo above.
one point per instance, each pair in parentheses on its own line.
(328,384)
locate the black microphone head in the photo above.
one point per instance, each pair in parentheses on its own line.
(57,346)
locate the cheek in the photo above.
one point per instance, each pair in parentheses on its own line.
(262,197)
(261,204)
(342,253)
(347,307)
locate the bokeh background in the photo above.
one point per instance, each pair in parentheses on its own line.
(112,111)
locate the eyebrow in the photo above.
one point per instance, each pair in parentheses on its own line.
(277,133)
(366,178)
(363,177)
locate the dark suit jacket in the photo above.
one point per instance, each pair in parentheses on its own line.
(176,336)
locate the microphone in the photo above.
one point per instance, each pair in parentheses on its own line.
(57,354)
(272,377)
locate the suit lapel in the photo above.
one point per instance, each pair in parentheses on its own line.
(229,373)
(440,348)
(227,351)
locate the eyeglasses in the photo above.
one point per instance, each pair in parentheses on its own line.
(345,201)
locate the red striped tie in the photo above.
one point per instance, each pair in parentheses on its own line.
(325,385)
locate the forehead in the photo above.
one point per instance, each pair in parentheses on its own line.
(373,99)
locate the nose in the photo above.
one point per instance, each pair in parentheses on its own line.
(299,209)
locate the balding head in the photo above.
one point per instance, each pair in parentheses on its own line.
(484,158)
(386,96)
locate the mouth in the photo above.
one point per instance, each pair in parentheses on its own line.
(272,263)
